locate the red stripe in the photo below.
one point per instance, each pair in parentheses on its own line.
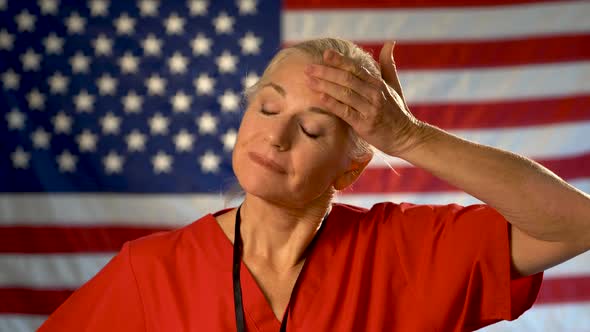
(31,301)
(413,179)
(565,289)
(493,53)
(44,302)
(338,4)
(67,239)
(505,113)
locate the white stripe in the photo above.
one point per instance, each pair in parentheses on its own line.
(467,23)
(500,83)
(169,210)
(538,142)
(20,323)
(548,318)
(54,271)
(70,271)
(106,209)
(461,198)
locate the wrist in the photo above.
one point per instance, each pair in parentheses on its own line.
(418,137)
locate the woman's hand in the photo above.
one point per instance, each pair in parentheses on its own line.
(373,106)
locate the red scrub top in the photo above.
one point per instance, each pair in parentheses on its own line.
(391,268)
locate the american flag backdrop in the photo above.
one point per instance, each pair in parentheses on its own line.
(118,119)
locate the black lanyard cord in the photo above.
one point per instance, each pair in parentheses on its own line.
(237,261)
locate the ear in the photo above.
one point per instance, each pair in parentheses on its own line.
(354,171)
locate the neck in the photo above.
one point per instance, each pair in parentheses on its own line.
(278,236)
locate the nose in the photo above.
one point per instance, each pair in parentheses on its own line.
(279,134)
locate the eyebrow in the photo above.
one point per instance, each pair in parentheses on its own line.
(276,87)
(279,89)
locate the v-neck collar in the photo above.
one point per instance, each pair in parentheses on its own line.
(256,307)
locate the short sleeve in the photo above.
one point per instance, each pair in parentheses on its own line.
(110,301)
(459,260)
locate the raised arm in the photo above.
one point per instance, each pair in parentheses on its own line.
(550,218)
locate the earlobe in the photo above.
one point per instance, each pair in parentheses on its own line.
(352,174)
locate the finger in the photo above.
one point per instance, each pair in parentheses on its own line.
(388,69)
(345,112)
(343,78)
(341,93)
(336,59)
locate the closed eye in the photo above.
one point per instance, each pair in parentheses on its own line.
(308,134)
(265,112)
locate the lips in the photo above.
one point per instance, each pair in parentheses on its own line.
(267,163)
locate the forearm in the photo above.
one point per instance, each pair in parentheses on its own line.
(528,195)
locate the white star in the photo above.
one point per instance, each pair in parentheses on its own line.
(204,84)
(30,60)
(249,80)
(58,83)
(201,45)
(156,85)
(183,141)
(158,124)
(80,63)
(67,162)
(174,24)
(102,45)
(198,7)
(148,7)
(181,102)
(62,123)
(229,139)
(36,100)
(223,23)
(40,138)
(99,7)
(53,44)
(135,141)
(125,25)
(110,123)
(152,45)
(132,102)
(15,119)
(209,162)
(162,162)
(207,124)
(6,40)
(10,79)
(113,163)
(177,63)
(48,6)
(84,101)
(25,21)
(75,23)
(20,158)
(226,62)
(107,85)
(250,44)
(87,141)
(129,63)
(229,101)
(247,7)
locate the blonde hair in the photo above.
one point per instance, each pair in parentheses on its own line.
(315,48)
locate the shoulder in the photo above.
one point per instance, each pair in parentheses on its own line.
(166,243)
(406,211)
(419,217)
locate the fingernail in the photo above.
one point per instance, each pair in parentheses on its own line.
(312,80)
(309,69)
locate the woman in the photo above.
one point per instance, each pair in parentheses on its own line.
(314,265)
